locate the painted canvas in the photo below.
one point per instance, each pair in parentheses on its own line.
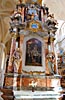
(33,52)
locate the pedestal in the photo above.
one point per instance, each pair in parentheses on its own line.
(7,94)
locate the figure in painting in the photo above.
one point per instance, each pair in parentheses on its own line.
(36,56)
(28,55)
(33,53)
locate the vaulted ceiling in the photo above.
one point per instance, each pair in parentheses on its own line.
(7,6)
(57,7)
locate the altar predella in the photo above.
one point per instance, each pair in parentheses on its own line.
(32,62)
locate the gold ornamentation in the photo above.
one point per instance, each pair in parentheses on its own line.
(36,28)
(14,35)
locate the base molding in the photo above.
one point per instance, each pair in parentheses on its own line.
(7,94)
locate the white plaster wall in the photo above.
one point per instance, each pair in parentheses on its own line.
(60,36)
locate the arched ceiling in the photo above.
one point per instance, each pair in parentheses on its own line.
(6,7)
(57,7)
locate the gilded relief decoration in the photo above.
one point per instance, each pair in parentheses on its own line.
(34,26)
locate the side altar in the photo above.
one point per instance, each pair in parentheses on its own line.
(31,71)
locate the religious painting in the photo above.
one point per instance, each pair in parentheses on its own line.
(33,52)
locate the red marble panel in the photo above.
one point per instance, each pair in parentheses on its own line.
(8,81)
(40,82)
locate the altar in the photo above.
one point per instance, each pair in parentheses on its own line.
(32,72)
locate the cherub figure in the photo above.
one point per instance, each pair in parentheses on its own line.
(51,20)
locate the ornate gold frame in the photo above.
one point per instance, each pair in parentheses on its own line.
(29,26)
